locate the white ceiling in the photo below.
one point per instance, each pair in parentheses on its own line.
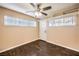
(25,7)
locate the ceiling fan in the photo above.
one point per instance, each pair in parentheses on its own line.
(37,8)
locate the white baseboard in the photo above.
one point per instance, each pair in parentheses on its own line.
(33,40)
(65,46)
(14,46)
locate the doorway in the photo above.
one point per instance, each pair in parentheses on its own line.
(42,29)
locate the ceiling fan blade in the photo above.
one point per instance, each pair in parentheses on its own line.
(44,13)
(47,8)
(30,11)
(32,4)
(38,5)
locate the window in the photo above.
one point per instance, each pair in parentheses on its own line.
(11,21)
(66,21)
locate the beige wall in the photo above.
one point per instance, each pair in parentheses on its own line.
(13,36)
(65,36)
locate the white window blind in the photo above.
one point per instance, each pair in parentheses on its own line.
(11,21)
(64,21)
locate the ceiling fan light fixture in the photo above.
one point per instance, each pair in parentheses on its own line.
(38,14)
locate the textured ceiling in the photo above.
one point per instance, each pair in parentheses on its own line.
(26,7)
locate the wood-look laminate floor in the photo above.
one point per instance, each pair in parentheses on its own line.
(40,48)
